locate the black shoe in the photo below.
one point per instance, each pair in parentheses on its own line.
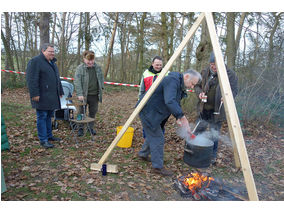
(46,144)
(54,139)
(162,171)
(80,132)
(148,159)
(213,161)
(93,132)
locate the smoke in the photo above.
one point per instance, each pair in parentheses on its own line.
(182,133)
(204,137)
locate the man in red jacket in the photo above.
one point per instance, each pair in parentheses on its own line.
(148,77)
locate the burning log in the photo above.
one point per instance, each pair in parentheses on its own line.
(202,187)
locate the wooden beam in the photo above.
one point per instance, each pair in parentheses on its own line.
(153,87)
(110,168)
(231,112)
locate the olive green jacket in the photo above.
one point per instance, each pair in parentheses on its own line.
(81,80)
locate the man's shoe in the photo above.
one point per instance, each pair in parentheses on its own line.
(93,132)
(148,159)
(54,139)
(162,171)
(80,132)
(46,144)
(213,161)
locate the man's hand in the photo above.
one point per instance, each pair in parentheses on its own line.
(36,98)
(201,95)
(183,123)
(81,98)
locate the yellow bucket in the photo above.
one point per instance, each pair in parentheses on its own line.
(126,140)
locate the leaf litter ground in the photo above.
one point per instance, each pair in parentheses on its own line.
(63,173)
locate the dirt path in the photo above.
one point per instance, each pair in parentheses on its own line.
(63,173)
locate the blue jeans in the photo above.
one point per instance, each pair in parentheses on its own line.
(44,127)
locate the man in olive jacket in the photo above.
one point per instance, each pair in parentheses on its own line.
(45,91)
(89,85)
(210,107)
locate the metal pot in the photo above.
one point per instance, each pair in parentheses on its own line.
(198,152)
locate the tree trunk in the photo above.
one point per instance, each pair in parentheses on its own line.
(230,38)
(239,33)
(111,46)
(53,27)
(164,33)
(189,46)
(87,31)
(180,40)
(9,64)
(80,36)
(171,35)
(204,49)
(140,45)
(62,45)
(271,45)
(35,50)
(44,27)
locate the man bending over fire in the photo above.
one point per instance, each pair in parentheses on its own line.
(164,102)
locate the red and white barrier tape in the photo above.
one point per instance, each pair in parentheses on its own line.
(66,78)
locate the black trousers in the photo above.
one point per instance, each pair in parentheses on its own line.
(92,103)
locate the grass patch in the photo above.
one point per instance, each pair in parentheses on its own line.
(26,152)
(12,112)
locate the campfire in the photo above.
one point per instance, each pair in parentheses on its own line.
(203,187)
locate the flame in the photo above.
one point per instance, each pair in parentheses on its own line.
(196,181)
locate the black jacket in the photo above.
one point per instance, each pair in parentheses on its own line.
(43,80)
(164,101)
(201,87)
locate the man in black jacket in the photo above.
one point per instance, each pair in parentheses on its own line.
(164,102)
(45,91)
(210,106)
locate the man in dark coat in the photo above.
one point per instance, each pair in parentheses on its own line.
(210,107)
(164,102)
(45,91)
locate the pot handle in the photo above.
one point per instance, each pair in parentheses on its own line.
(188,151)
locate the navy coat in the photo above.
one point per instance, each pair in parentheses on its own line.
(43,80)
(164,101)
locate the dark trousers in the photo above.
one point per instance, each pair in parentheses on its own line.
(207,119)
(92,103)
(153,145)
(162,126)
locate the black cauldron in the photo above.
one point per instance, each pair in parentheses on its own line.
(198,152)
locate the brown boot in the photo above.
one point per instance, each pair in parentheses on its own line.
(162,171)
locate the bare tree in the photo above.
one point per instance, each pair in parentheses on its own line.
(44,27)
(111,46)
(87,31)
(230,40)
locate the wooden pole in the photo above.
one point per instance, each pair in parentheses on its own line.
(153,87)
(231,112)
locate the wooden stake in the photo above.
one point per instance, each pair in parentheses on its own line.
(153,87)
(231,112)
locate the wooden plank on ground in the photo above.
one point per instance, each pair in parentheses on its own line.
(110,167)
(231,112)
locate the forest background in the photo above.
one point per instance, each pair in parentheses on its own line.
(125,43)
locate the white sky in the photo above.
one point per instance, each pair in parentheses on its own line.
(142,6)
